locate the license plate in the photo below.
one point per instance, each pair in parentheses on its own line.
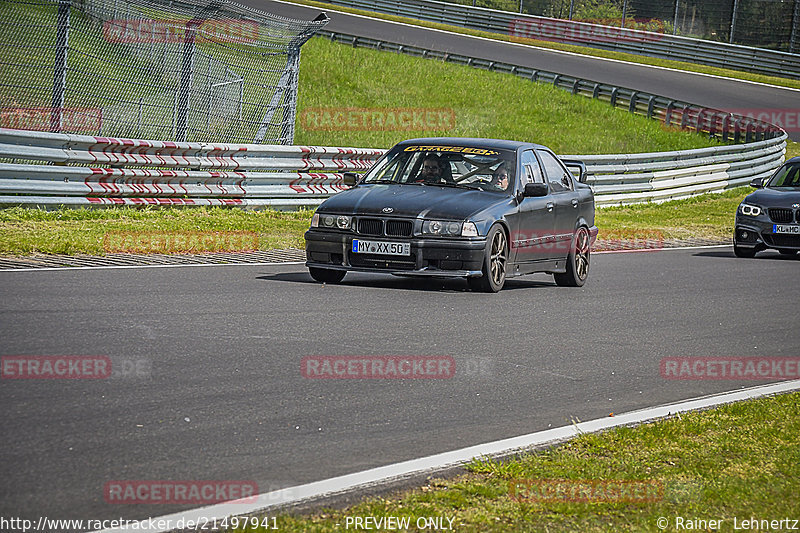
(381,248)
(779,228)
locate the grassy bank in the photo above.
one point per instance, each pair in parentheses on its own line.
(336,77)
(75,231)
(581,50)
(738,461)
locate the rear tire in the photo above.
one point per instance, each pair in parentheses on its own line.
(577,261)
(495,259)
(326,275)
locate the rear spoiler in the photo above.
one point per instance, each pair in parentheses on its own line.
(580,165)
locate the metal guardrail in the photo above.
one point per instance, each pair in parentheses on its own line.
(120,172)
(87,170)
(758,60)
(620,179)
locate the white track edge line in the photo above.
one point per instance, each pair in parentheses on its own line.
(533,46)
(454,458)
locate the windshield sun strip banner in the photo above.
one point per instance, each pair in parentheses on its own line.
(458,149)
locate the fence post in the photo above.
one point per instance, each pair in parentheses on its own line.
(675,20)
(795,21)
(187,68)
(733,20)
(283,87)
(624,12)
(60,66)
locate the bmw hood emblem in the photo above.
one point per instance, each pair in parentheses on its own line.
(387,210)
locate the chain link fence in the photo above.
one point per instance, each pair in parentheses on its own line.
(214,72)
(773,24)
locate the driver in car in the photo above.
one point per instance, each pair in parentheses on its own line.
(431,170)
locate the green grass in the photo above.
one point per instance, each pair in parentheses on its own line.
(484,104)
(73,231)
(581,50)
(738,460)
(709,216)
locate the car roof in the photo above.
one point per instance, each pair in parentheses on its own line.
(472,142)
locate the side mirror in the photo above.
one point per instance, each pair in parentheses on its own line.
(580,165)
(350,179)
(533,190)
(758,183)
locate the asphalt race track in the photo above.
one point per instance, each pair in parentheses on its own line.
(721,93)
(220,394)
(212,387)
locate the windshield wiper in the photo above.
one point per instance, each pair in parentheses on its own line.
(382,180)
(460,185)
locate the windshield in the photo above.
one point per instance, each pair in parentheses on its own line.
(456,166)
(787,176)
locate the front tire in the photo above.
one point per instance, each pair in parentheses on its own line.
(577,261)
(495,259)
(326,275)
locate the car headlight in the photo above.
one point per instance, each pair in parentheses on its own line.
(749,210)
(448,228)
(441,227)
(330,221)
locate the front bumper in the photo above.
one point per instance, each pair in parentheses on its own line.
(430,257)
(752,232)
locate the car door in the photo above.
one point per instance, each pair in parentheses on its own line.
(565,200)
(532,237)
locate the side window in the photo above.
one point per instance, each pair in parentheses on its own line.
(531,171)
(560,179)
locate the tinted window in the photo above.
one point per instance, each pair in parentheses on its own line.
(531,171)
(788,176)
(560,179)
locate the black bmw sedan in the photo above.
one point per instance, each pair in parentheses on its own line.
(481,209)
(770,216)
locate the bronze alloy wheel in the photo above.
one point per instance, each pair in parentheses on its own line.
(494,262)
(577,261)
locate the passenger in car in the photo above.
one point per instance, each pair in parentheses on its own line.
(500,177)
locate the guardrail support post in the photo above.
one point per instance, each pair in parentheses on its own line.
(651,104)
(60,66)
(668,112)
(632,102)
(575,85)
(685,117)
(614,92)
